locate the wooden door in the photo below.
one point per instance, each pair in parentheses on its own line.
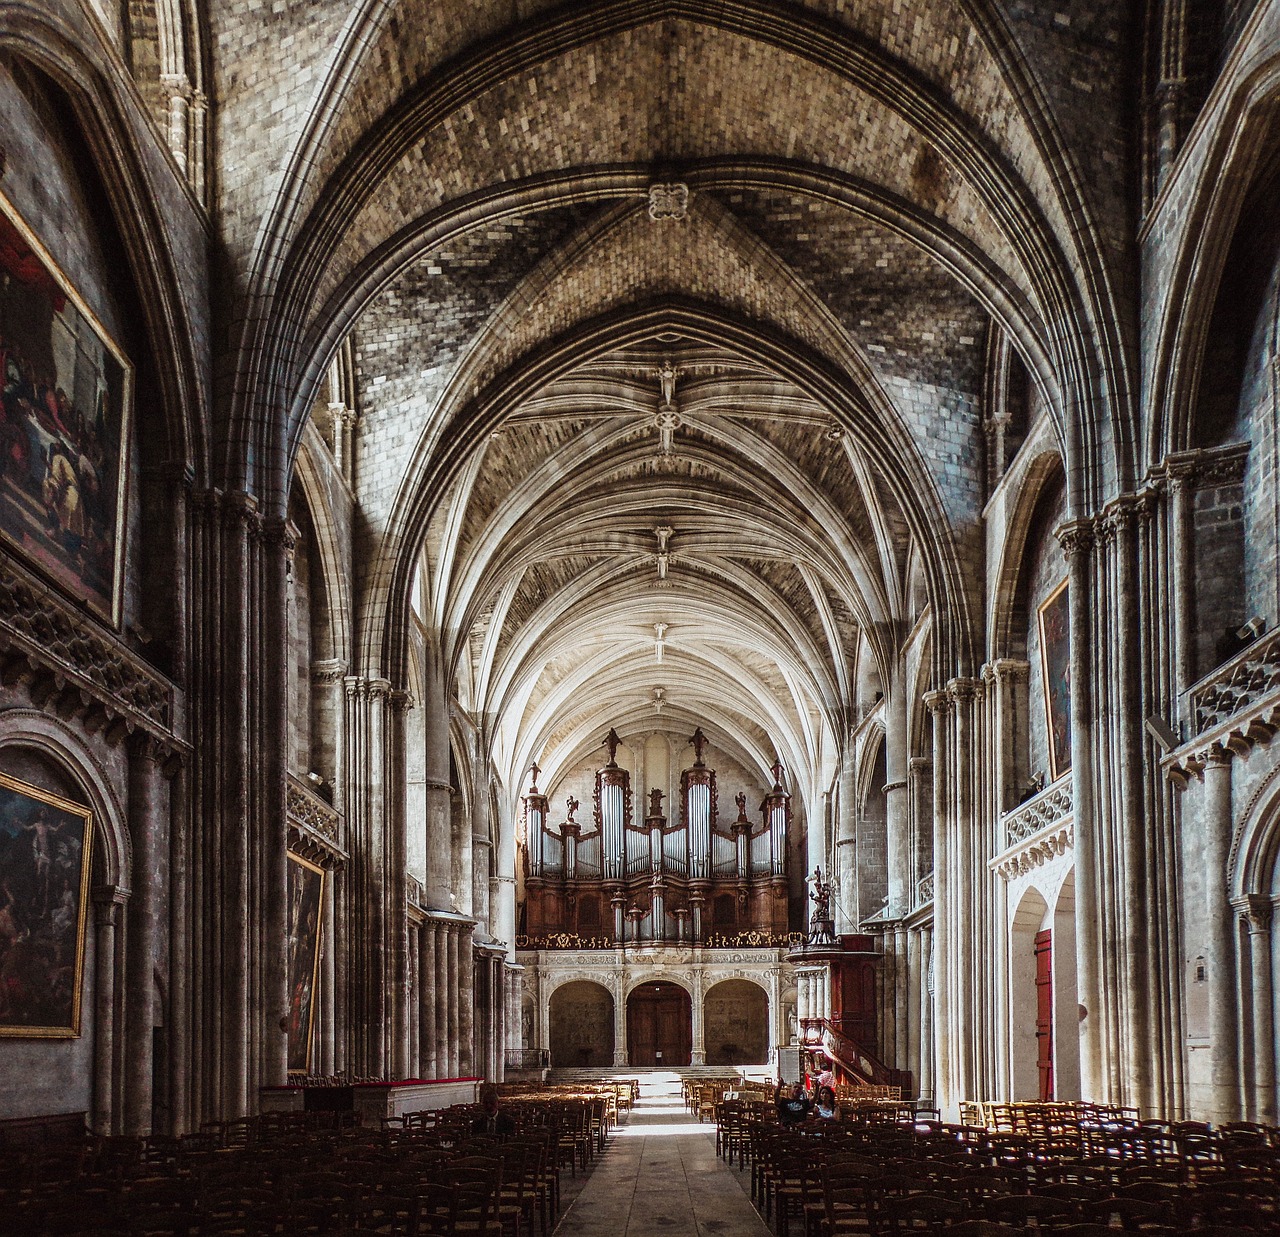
(659,1026)
(1044,1011)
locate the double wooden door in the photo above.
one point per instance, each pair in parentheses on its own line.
(659,1025)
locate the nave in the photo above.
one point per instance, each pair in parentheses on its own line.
(660,1175)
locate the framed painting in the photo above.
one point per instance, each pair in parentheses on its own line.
(45,857)
(65,407)
(1055,672)
(306,908)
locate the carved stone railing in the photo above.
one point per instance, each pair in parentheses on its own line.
(314,825)
(1037,831)
(1233,709)
(1048,807)
(46,640)
(924,889)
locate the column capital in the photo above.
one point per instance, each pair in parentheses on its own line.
(1255,910)
(937,702)
(919,764)
(963,688)
(1075,537)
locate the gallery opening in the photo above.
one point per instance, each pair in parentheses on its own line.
(565,563)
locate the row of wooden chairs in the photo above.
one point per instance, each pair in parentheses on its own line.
(848,1179)
(297,1174)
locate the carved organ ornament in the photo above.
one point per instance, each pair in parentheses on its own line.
(621,881)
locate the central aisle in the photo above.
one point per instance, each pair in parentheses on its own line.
(661,1175)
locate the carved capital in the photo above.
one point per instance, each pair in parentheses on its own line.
(964,689)
(1256,912)
(937,702)
(330,671)
(1075,537)
(1010,670)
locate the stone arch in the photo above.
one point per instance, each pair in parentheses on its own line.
(1029,917)
(580,1020)
(36,731)
(1248,126)
(736,1022)
(102,119)
(873,831)
(1043,471)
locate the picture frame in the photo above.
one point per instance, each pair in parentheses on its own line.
(66,409)
(306,887)
(1054,618)
(46,854)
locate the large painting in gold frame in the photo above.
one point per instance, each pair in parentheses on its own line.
(306,911)
(65,407)
(45,857)
(1055,672)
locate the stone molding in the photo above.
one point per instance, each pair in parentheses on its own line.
(64,653)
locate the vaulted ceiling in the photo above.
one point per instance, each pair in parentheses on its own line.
(673,324)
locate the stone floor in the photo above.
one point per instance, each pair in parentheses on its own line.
(660,1175)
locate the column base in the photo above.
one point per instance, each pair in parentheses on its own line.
(620,1056)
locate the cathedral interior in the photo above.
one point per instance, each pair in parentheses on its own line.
(622,533)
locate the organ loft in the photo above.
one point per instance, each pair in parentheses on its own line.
(541,541)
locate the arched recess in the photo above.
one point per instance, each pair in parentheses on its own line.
(1032,568)
(1066,999)
(736,1023)
(659,1024)
(581,1020)
(1241,142)
(41,751)
(1029,919)
(873,833)
(171,386)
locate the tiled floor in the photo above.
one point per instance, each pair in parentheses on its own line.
(660,1175)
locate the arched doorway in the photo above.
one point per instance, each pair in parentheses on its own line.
(659,1025)
(581,1025)
(736,1023)
(1030,1000)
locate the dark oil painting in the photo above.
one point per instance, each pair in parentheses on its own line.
(44,886)
(1055,666)
(64,411)
(306,906)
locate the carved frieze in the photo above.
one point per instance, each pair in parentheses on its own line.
(1036,851)
(43,637)
(313,826)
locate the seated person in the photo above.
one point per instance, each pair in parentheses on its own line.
(826,1105)
(491,1119)
(792,1108)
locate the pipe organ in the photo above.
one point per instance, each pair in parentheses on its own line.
(687,877)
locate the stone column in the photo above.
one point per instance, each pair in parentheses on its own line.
(1077,543)
(444,1065)
(328,972)
(847,840)
(699,1050)
(413,1039)
(619,1016)
(1256,915)
(106,904)
(915,985)
(927,1077)
(896,805)
(148,828)
(467,1064)
(453,1042)
(439,793)
(427,1001)
(946,1079)
(499,1019)
(399,930)
(1223,1028)
(272,765)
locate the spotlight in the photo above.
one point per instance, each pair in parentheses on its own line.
(1252,629)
